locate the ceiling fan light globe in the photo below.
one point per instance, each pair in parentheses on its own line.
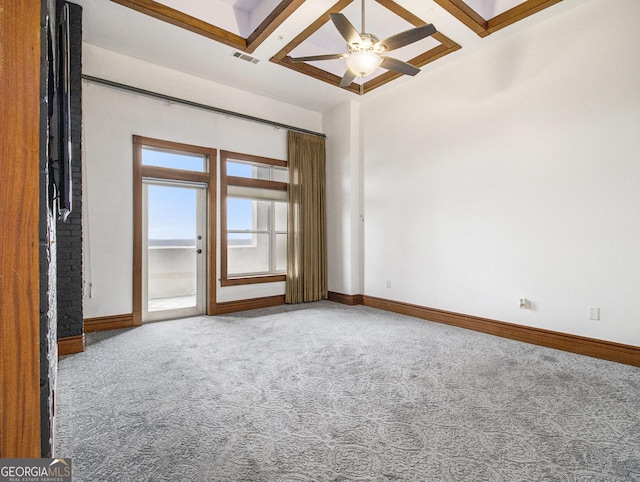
(363,63)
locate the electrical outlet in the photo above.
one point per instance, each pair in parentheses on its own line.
(388,283)
(594,313)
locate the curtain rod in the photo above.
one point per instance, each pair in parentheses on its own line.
(177,100)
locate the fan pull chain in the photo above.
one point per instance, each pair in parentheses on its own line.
(363,29)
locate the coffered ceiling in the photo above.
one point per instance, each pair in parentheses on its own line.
(272,32)
(245,24)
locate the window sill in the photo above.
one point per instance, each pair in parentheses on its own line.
(248,280)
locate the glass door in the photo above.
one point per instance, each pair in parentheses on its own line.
(174,250)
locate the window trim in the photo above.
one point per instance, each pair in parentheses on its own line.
(225,181)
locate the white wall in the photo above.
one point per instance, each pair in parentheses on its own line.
(111,117)
(344,199)
(515,172)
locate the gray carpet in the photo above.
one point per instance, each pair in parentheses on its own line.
(325,392)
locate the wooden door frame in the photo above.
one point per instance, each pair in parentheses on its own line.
(210,178)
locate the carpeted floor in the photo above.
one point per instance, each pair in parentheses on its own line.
(326,392)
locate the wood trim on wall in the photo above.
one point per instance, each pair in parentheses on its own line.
(251,280)
(350,300)
(137,230)
(112,322)
(256,183)
(212,233)
(70,345)
(250,304)
(165,173)
(605,350)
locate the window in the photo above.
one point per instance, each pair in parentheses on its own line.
(187,161)
(254,219)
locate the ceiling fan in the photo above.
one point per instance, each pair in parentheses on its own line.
(366,51)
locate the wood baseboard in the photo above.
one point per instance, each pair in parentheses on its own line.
(104,323)
(605,350)
(70,345)
(250,304)
(350,300)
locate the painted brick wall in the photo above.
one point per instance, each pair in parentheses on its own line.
(69,234)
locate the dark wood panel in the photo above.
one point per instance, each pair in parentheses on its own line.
(113,322)
(256,183)
(212,232)
(70,345)
(19,222)
(250,304)
(138,142)
(249,280)
(606,350)
(350,300)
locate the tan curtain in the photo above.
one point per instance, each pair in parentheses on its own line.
(307,238)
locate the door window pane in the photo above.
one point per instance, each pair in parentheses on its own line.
(172,261)
(172,216)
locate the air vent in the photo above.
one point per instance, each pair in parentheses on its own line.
(243,56)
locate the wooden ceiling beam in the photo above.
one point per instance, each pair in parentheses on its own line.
(465,14)
(271,23)
(517,13)
(187,22)
(472,19)
(180,19)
